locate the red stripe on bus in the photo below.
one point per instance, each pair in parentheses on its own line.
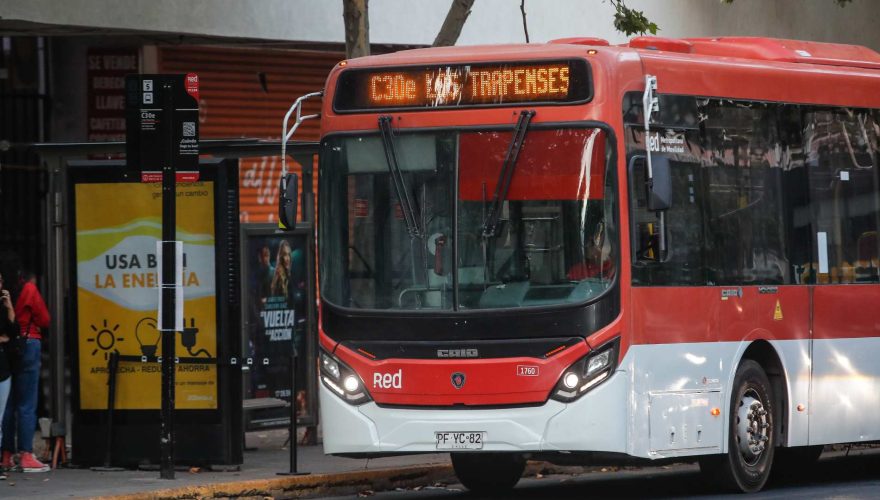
(668,315)
(428,382)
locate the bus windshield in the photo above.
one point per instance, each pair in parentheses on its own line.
(553,242)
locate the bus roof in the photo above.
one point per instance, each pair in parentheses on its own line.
(753,48)
(770,49)
(747,68)
(469,53)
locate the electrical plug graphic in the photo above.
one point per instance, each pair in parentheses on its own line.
(188,339)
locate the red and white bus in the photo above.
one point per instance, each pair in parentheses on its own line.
(518,260)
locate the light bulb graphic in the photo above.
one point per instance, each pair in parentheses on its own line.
(147,333)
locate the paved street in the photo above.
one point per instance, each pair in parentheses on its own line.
(429,476)
(853,477)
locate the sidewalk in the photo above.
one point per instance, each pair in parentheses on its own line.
(329,476)
(257,476)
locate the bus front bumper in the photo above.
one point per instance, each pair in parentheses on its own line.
(595,422)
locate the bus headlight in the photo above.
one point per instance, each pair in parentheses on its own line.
(342,380)
(571,380)
(351,384)
(329,365)
(598,362)
(587,372)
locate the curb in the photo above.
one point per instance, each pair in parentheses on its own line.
(305,486)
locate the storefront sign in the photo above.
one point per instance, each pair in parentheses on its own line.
(106,91)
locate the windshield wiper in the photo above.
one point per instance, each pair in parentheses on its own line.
(490,225)
(410,211)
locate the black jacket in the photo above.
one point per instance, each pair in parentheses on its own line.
(10,329)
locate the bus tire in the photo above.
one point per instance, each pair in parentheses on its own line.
(751,426)
(488,473)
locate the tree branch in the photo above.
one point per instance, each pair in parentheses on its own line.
(458,13)
(522,7)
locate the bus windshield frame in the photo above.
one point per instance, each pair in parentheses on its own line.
(453,267)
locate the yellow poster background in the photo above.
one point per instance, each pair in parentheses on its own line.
(117,227)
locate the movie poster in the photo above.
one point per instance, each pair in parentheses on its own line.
(277,295)
(117,227)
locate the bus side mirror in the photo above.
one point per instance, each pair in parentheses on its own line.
(287,195)
(660,184)
(649,242)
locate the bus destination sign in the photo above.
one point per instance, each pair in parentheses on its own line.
(464,85)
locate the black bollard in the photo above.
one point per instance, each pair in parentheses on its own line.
(292,471)
(112,368)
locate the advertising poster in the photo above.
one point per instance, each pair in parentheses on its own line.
(117,227)
(277,295)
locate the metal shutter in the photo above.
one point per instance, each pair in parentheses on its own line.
(234,103)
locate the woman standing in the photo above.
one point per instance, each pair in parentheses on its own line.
(7,332)
(20,418)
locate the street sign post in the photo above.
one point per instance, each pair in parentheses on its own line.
(148,123)
(162,142)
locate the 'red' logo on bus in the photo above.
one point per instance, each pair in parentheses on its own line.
(388,380)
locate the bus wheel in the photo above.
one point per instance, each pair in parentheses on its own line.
(488,472)
(750,446)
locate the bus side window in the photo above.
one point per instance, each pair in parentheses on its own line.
(789,155)
(841,149)
(743,181)
(679,223)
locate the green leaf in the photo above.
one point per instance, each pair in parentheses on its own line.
(630,21)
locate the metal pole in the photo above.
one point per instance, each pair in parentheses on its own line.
(169,274)
(112,366)
(292,470)
(112,369)
(57,282)
(293,409)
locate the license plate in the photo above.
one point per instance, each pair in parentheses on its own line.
(460,440)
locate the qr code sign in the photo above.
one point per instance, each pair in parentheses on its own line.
(189,129)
